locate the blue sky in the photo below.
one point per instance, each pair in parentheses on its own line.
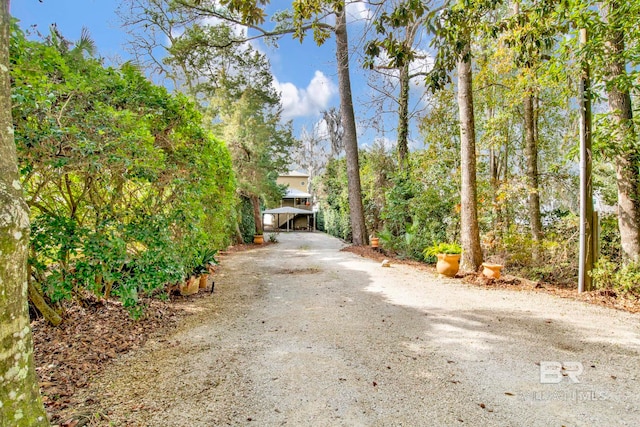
(305,73)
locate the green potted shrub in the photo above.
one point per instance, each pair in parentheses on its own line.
(198,271)
(206,260)
(448,256)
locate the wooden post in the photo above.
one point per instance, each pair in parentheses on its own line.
(585,264)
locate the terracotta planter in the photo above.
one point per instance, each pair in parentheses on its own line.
(258,239)
(203,281)
(190,287)
(375,242)
(448,264)
(491,271)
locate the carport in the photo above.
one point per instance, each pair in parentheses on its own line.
(290,213)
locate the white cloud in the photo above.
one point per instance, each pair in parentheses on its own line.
(358,11)
(298,102)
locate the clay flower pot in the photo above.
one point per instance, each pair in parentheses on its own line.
(491,271)
(258,239)
(190,287)
(375,242)
(203,281)
(448,264)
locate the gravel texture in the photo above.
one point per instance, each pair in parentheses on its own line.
(300,333)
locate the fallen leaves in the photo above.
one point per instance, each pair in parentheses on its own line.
(67,356)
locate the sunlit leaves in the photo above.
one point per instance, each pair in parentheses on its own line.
(124,183)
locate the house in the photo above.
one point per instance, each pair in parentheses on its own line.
(296,207)
(297,194)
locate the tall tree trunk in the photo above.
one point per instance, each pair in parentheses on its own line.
(469,230)
(20,403)
(506,215)
(356,211)
(493,170)
(531,154)
(494,173)
(628,157)
(403,118)
(257,216)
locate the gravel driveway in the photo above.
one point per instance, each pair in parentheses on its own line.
(301,334)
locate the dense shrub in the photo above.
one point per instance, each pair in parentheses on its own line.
(335,203)
(624,278)
(247,221)
(125,185)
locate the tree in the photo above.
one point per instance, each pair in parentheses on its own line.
(335,131)
(401,28)
(627,156)
(470,231)
(150,25)
(453,36)
(531,37)
(307,15)
(20,403)
(249,121)
(231,81)
(124,183)
(358,227)
(311,155)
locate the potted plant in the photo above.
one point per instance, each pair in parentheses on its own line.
(258,239)
(448,255)
(206,260)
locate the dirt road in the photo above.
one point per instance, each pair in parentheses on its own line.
(302,334)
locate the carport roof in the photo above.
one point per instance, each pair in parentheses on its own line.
(287,210)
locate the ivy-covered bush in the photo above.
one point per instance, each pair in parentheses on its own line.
(335,205)
(247,221)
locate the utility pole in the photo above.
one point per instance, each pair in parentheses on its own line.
(586,187)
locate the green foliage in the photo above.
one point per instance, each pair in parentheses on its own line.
(249,120)
(515,55)
(442,248)
(514,246)
(125,185)
(335,207)
(247,222)
(320,226)
(376,171)
(205,258)
(610,238)
(623,278)
(273,237)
